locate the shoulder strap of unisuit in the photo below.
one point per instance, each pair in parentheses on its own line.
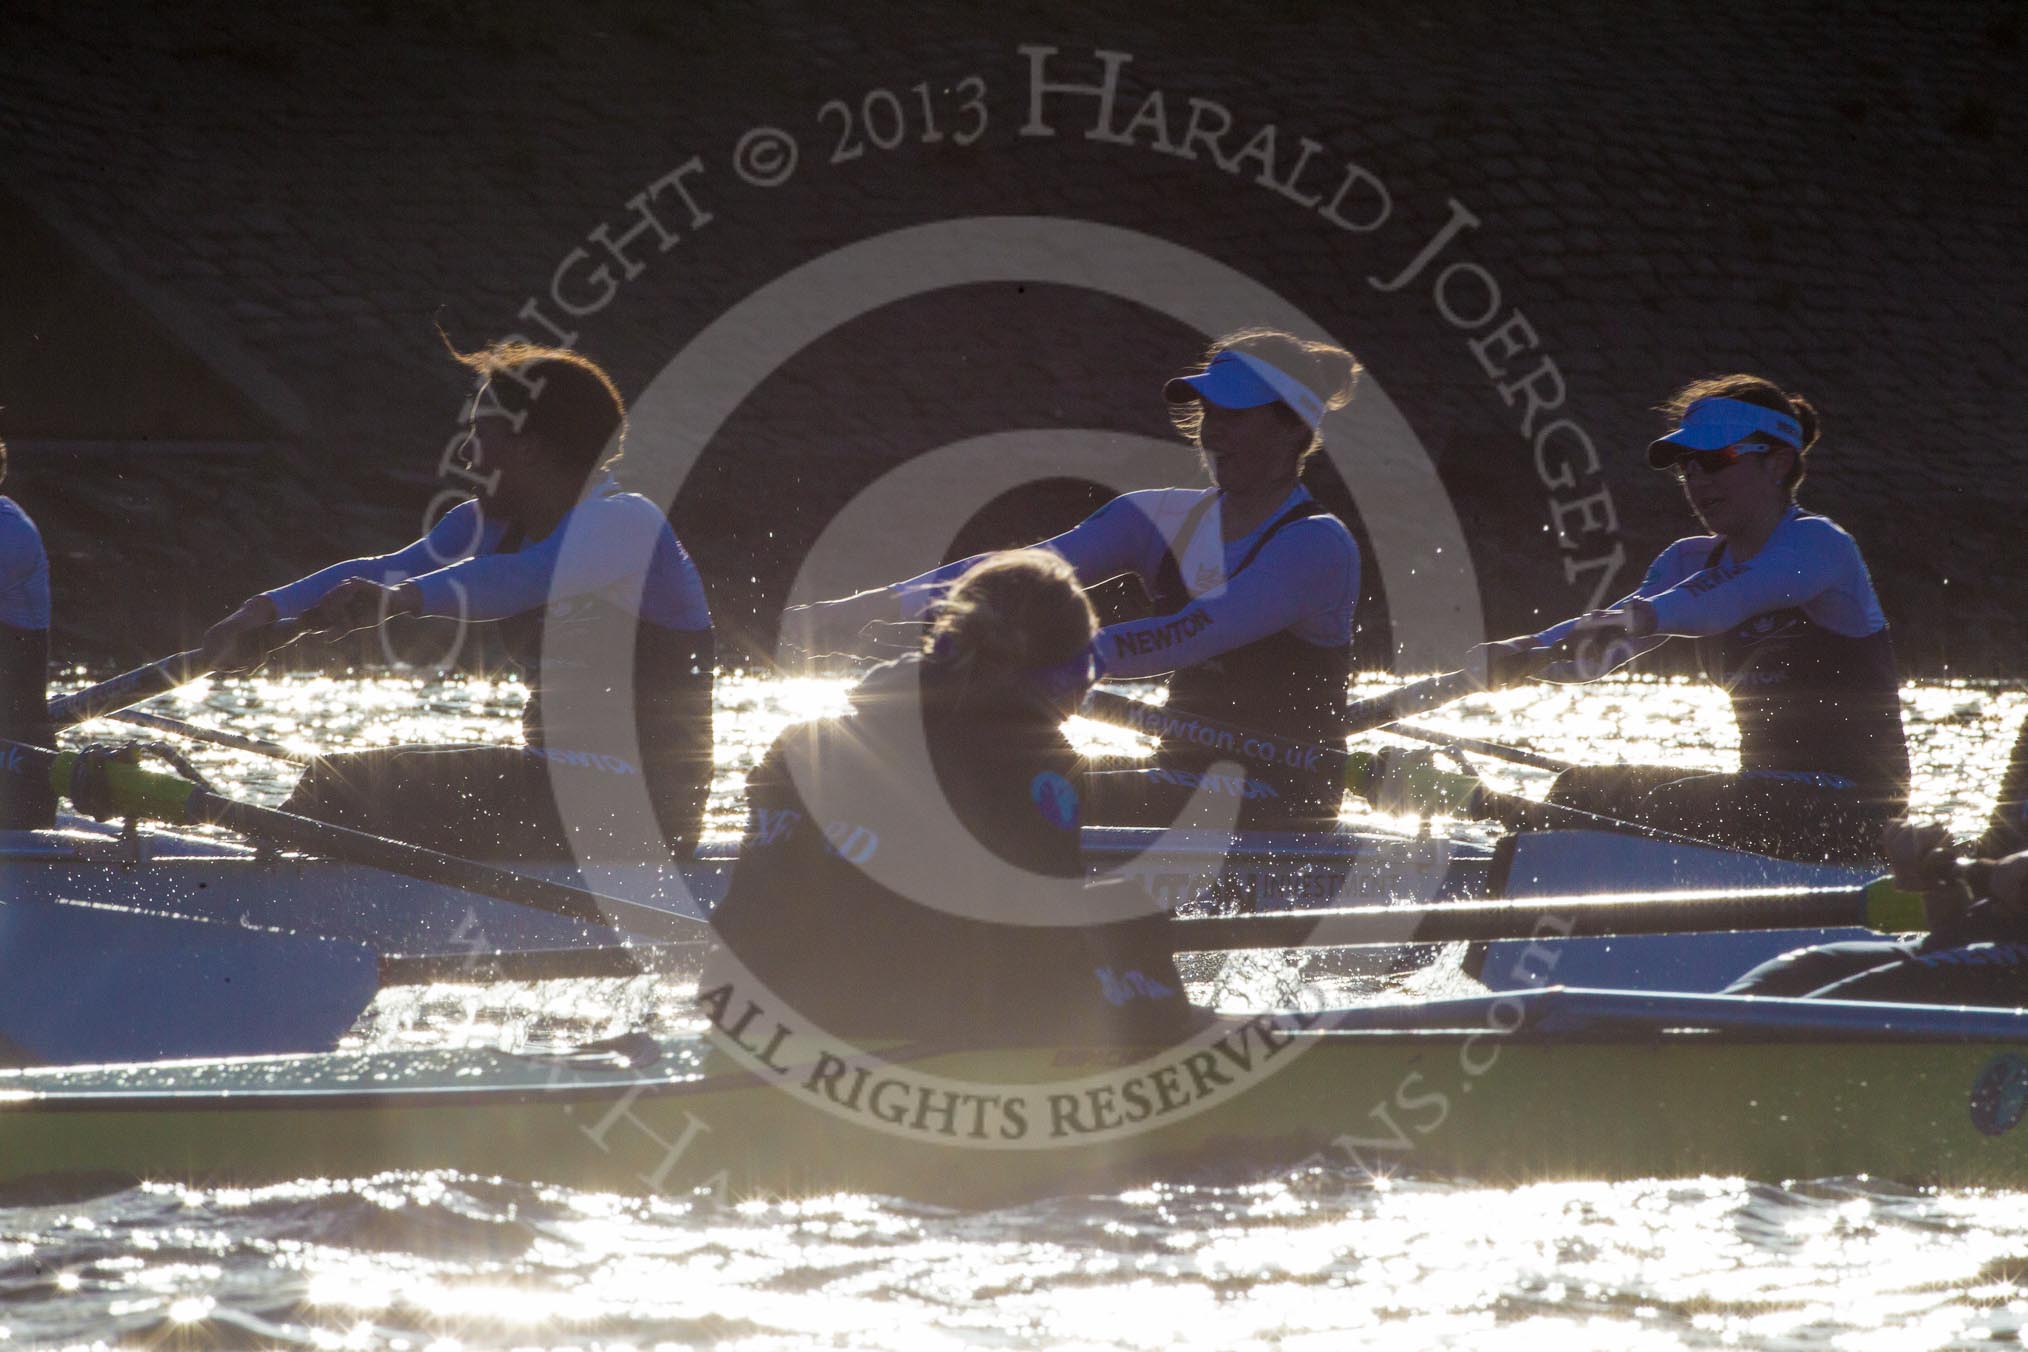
(1296,513)
(1187,532)
(1168,587)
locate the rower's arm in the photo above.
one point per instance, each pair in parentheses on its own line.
(21,552)
(1307,568)
(454,537)
(1799,564)
(1115,539)
(1669,568)
(609,539)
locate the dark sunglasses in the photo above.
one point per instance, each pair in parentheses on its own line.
(1711,462)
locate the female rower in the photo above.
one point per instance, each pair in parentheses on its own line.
(25,802)
(881,896)
(1253,584)
(1784,618)
(566,563)
(1976,951)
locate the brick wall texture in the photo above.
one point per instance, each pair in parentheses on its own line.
(1828,194)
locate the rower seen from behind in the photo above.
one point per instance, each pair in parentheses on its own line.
(577,573)
(915,869)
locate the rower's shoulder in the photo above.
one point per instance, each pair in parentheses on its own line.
(624,506)
(18,536)
(1320,531)
(1812,528)
(1158,504)
(1688,554)
(13,517)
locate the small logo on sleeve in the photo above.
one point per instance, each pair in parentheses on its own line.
(1056,799)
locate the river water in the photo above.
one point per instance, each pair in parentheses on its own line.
(447,1260)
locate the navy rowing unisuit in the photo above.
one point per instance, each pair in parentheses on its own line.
(1796,638)
(1256,630)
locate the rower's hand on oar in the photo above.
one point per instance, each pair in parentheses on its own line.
(1506,662)
(359,603)
(235,644)
(1921,857)
(1924,859)
(1605,640)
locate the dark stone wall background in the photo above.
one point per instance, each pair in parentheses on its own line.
(1829,194)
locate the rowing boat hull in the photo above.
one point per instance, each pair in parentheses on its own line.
(1913,1094)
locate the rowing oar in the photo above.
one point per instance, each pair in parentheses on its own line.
(114,787)
(1478,746)
(157,678)
(1878,905)
(259,746)
(142,683)
(1416,697)
(1361,772)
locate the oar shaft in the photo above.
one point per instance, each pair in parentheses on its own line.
(1516,813)
(1355,769)
(217,737)
(315,837)
(1417,697)
(131,687)
(157,678)
(166,798)
(1497,750)
(1535,918)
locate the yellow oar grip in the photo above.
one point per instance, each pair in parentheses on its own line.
(1417,783)
(1362,772)
(132,790)
(1891,910)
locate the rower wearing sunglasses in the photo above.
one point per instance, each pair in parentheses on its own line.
(1785,620)
(1253,586)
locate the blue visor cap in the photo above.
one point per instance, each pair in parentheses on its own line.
(1238,380)
(1716,423)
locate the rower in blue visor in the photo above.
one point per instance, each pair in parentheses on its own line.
(1782,612)
(1253,587)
